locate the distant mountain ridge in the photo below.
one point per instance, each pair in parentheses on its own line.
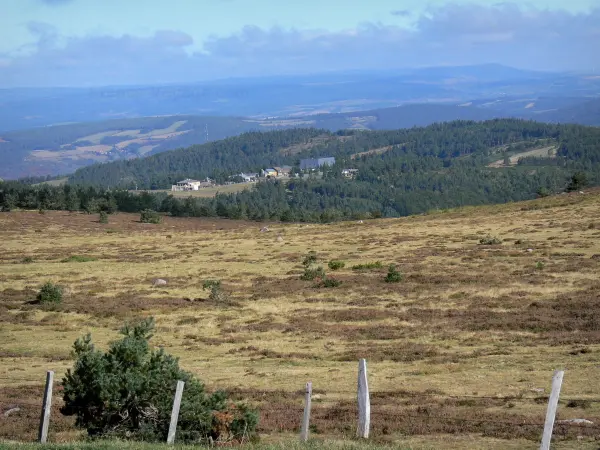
(286,96)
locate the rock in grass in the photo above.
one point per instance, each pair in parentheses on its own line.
(159,282)
(10,411)
(576,421)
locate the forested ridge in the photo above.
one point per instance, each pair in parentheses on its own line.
(415,170)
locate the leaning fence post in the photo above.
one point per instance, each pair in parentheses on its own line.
(46,408)
(306,417)
(175,412)
(551,412)
(364,404)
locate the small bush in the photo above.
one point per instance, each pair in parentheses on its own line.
(150,216)
(217,294)
(78,258)
(393,276)
(103,217)
(329,283)
(539,265)
(368,266)
(27,260)
(310,273)
(310,259)
(50,293)
(579,403)
(490,240)
(336,265)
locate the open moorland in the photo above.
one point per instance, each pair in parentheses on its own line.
(461,351)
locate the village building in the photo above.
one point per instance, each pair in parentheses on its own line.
(248,177)
(269,173)
(349,173)
(191,185)
(283,171)
(186,185)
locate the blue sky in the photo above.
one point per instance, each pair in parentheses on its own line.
(100,42)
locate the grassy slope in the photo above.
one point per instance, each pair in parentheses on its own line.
(475,322)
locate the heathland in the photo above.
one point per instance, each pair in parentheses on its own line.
(461,350)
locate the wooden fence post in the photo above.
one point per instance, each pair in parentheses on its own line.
(306,417)
(175,412)
(364,404)
(46,408)
(551,412)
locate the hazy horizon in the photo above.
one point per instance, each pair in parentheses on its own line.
(82,43)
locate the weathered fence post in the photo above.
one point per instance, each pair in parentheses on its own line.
(175,412)
(306,417)
(364,404)
(46,408)
(551,412)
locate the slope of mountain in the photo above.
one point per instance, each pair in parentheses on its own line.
(443,142)
(65,148)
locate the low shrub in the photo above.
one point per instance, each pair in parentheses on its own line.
(310,273)
(336,265)
(329,283)
(150,216)
(310,259)
(490,240)
(368,266)
(78,258)
(393,276)
(103,217)
(217,294)
(50,293)
(27,260)
(540,265)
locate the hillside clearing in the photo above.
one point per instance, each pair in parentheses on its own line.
(544,152)
(465,345)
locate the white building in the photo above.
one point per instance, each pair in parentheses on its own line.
(186,185)
(248,177)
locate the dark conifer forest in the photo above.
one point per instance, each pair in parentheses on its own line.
(400,172)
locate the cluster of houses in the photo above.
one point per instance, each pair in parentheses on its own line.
(269,173)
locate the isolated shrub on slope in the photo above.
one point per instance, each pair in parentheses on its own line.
(128,392)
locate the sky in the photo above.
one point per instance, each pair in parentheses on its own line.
(122,42)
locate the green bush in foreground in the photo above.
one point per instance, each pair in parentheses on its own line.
(50,293)
(127,393)
(103,217)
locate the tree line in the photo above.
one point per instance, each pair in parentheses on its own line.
(412,171)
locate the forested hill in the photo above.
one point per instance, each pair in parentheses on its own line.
(447,145)
(399,172)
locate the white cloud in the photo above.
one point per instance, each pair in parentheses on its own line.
(453,34)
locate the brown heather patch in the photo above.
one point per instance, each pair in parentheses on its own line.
(467,324)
